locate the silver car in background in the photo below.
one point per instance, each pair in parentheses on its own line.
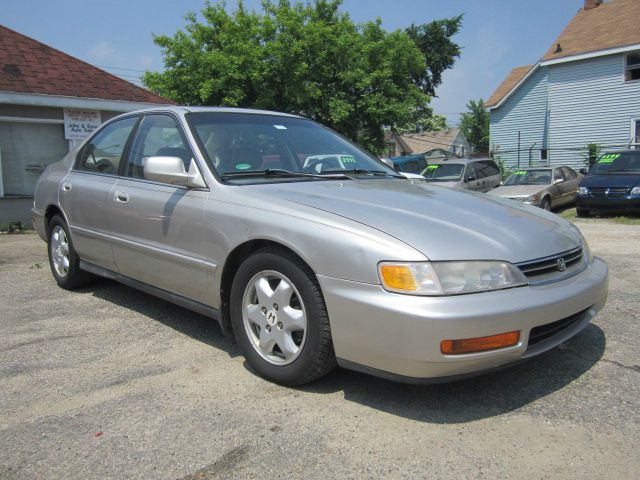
(310,252)
(547,188)
(479,174)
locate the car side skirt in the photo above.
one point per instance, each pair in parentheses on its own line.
(181,301)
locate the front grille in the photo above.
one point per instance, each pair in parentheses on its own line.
(608,192)
(543,332)
(553,268)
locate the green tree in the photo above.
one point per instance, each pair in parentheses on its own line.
(474,125)
(309,59)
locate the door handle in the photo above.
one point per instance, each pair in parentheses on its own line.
(66,186)
(121,197)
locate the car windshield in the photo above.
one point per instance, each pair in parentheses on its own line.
(541,176)
(443,172)
(253,148)
(623,162)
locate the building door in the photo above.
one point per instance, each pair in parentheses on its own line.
(26,149)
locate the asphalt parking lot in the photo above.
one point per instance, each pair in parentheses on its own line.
(108,382)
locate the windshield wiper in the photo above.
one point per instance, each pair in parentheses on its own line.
(276,172)
(361,171)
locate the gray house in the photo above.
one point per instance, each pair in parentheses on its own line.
(584,90)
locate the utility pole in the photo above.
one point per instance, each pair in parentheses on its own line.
(518,149)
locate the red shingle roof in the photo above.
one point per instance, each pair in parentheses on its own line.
(28,66)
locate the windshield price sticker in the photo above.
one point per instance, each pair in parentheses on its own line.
(347,159)
(609,158)
(432,167)
(520,172)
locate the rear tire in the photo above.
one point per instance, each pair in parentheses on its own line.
(280,320)
(63,259)
(582,213)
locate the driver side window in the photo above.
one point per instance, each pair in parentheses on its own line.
(102,154)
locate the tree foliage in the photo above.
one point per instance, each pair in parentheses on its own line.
(310,59)
(474,125)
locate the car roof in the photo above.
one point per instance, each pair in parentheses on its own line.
(464,160)
(181,109)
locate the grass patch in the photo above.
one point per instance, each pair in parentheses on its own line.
(570,214)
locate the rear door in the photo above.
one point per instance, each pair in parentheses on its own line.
(492,174)
(85,193)
(472,178)
(158,229)
(571,184)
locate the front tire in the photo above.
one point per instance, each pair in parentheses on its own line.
(63,259)
(280,320)
(545,204)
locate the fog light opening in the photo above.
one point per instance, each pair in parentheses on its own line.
(479,344)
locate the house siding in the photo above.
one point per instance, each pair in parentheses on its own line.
(590,103)
(525,111)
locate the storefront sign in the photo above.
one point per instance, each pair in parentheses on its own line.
(80,123)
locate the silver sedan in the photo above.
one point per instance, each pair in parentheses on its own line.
(309,251)
(544,187)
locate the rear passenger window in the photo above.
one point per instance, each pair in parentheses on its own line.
(569,174)
(486,169)
(102,154)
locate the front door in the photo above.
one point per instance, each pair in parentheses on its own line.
(158,229)
(85,193)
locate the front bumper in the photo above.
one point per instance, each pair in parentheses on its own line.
(627,204)
(398,336)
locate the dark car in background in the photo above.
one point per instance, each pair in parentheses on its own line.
(612,185)
(414,163)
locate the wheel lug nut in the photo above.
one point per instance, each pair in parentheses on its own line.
(275,306)
(268,328)
(279,325)
(264,310)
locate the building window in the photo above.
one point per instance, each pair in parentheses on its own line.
(544,155)
(632,67)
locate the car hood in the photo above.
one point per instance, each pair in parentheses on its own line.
(441,223)
(517,190)
(611,180)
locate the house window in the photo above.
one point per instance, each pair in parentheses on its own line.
(544,155)
(632,67)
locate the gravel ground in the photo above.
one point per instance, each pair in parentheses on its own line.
(108,382)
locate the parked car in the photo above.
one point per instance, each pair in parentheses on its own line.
(414,163)
(612,185)
(479,174)
(308,266)
(546,188)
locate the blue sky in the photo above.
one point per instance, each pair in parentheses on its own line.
(496,35)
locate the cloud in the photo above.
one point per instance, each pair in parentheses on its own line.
(102,51)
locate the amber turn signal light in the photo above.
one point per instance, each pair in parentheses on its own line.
(479,344)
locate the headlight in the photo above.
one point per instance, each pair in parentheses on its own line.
(449,278)
(532,198)
(635,190)
(583,191)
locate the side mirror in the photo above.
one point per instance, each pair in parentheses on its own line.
(470,178)
(171,170)
(558,180)
(583,171)
(388,162)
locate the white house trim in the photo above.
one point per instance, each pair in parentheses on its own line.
(598,53)
(41,100)
(516,86)
(6,118)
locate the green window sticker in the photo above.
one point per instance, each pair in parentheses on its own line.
(347,159)
(520,172)
(431,168)
(242,166)
(608,158)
